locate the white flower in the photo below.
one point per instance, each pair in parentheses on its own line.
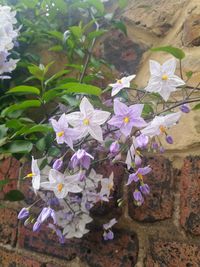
(107,185)
(120,84)
(160,123)
(88,120)
(92,181)
(162,80)
(61,185)
(35,174)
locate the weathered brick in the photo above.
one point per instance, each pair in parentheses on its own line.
(172,254)
(158,204)
(122,251)
(190,195)
(8,226)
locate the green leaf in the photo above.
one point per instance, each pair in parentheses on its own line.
(196,107)
(97,4)
(118,24)
(58,35)
(189,74)
(53,152)
(176,52)
(37,72)
(56,48)
(147,110)
(57,75)
(81,88)
(14,195)
(96,34)
(22,105)
(3,141)
(122,3)
(3,130)
(41,144)
(17,146)
(38,128)
(51,94)
(24,89)
(76,31)
(14,124)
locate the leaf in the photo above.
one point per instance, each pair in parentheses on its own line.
(57,75)
(97,4)
(14,124)
(118,24)
(189,74)
(53,152)
(36,71)
(58,35)
(81,88)
(38,128)
(41,144)
(24,89)
(96,34)
(176,52)
(51,94)
(196,107)
(14,195)
(56,48)
(18,146)
(3,130)
(22,105)
(147,110)
(3,141)
(122,3)
(76,31)
(4,182)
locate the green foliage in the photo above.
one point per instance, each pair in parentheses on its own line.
(14,195)
(176,52)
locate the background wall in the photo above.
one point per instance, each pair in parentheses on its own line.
(165,231)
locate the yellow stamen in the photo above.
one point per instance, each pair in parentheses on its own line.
(60,134)
(162,129)
(86,122)
(126,120)
(60,187)
(110,186)
(30,175)
(164,77)
(119,81)
(140,176)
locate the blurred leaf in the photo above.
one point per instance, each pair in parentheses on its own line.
(147,110)
(53,152)
(17,146)
(96,34)
(58,35)
(38,128)
(122,3)
(97,4)
(76,31)
(24,89)
(22,105)
(14,195)
(43,164)
(196,107)
(189,74)
(36,72)
(3,141)
(80,88)
(176,52)
(118,24)
(41,144)
(56,48)
(57,75)
(3,130)
(51,94)
(14,124)
(4,182)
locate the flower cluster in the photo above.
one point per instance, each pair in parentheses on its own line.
(8,37)
(71,188)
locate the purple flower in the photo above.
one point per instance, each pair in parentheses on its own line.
(144,188)
(138,175)
(114,147)
(81,158)
(169,139)
(57,164)
(162,150)
(137,195)
(185,108)
(45,214)
(108,235)
(36,226)
(126,118)
(142,140)
(58,233)
(24,213)
(155,145)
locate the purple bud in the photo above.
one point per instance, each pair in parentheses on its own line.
(138,160)
(145,189)
(114,147)
(108,235)
(36,226)
(169,139)
(185,108)
(81,158)
(88,206)
(82,177)
(138,197)
(24,213)
(155,145)
(57,164)
(162,150)
(142,140)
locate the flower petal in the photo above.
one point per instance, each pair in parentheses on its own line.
(155,68)
(99,117)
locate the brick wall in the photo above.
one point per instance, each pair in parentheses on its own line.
(163,232)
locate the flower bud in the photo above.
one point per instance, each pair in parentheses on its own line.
(144,188)
(24,213)
(142,140)
(185,108)
(57,164)
(36,226)
(114,147)
(169,139)
(162,150)
(155,145)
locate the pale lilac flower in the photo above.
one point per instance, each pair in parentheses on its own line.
(138,175)
(45,214)
(142,140)
(138,197)
(88,120)
(64,134)
(160,123)
(35,174)
(114,147)
(144,188)
(61,184)
(120,84)
(163,80)
(24,213)
(133,155)
(110,224)
(107,184)
(108,235)
(126,118)
(81,158)
(57,164)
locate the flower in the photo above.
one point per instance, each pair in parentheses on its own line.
(107,185)
(64,134)
(35,174)
(133,155)
(88,120)
(57,164)
(138,197)
(24,213)
(142,140)
(163,80)
(58,233)
(81,158)
(127,117)
(108,234)
(144,188)
(160,123)
(138,175)
(120,84)
(61,185)
(110,224)
(44,215)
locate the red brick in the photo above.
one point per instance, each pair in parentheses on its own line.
(158,204)
(13,259)
(8,226)
(9,169)
(122,251)
(173,254)
(190,195)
